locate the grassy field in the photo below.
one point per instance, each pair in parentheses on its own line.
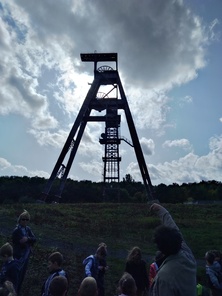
(76,230)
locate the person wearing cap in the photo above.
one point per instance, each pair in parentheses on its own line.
(23,240)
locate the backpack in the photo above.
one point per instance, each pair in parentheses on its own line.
(94,267)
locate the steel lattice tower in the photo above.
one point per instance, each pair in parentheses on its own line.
(104,75)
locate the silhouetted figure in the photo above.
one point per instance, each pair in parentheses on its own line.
(58,286)
(127,285)
(88,287)
(177,274)
(136,266)
(214,273)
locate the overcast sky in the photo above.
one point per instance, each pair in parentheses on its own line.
(169,55)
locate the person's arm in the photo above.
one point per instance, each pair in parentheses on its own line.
(88,267)
(213,278)
(168,221)
(164,215)
(31,237)
(152,273)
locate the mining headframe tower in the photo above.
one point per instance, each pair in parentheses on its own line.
(104,75)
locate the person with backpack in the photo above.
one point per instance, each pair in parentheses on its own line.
(55,261)
(214,274)
(96,266)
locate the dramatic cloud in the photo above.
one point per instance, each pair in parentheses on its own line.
(161,46)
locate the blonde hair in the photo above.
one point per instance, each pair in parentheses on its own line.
(7,289)
(25,214)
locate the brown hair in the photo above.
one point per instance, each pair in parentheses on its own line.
(58,286)
(134,254)
(56,257)
(102,250)
(210,257)
(127,284)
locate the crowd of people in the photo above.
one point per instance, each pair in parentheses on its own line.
(172,273)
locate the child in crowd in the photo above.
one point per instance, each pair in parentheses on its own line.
(158,260)
(214,274)
(7,289)
(23,240)
(88,287)
(11,268)
(218,257)
(136,266)
(58,286)
(96,266)
(127,285)
(55,261)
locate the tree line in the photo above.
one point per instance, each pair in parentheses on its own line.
(14,189)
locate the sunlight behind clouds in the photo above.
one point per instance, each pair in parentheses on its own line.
(161,45)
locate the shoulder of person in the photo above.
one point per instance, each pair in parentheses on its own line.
(89,258)
(16,229)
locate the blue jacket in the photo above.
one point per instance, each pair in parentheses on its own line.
(22,250)
(45,287)
(215,275)
(10,272)
(91,266)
